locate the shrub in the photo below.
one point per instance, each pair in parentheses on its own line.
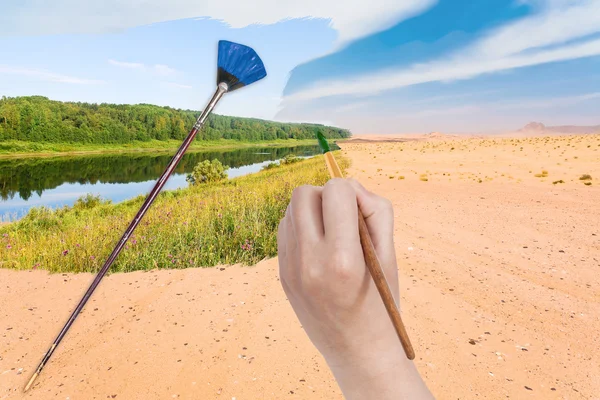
(585,177)
(88,202)
(556,182)
(270,166)
(290,159)
(208,171)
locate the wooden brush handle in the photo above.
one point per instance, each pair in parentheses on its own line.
(375,268)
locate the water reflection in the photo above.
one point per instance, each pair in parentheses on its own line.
(58,181)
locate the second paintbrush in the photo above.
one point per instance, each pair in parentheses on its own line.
(371,258)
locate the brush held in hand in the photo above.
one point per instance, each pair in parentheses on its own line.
(237,66)
(371,259)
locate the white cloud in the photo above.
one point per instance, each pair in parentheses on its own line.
(520,104)
(158,69)
(48,76)
(539,39)
(549,103)
(352,106)
(556,25)
(161,69)
(124,64)
(351,18)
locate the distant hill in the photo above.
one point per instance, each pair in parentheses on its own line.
(538,127)
(38,119)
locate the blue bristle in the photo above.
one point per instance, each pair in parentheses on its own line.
(239,65)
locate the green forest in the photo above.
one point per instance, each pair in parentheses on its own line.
(39,119)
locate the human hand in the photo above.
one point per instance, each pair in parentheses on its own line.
(325,278)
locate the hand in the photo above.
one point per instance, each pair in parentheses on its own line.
(323,273)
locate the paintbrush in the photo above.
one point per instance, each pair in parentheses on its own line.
(373,264)
(237,66)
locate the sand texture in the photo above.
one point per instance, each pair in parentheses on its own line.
(500,280)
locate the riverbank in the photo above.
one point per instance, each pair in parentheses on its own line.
(234,221)
(14,149)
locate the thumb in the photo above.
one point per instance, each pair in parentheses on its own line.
(379,216)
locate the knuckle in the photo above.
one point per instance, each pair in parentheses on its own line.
(337,182)
(301,192)
(342,266)
(312,279)
(339,187)
(386,205)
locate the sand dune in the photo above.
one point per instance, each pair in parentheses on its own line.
(499,279)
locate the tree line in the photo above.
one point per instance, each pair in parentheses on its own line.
(39,119)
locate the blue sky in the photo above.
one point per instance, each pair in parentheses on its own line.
(383,66)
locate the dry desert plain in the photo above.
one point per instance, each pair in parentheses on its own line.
(500,289)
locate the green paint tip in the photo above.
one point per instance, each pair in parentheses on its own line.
(323,142)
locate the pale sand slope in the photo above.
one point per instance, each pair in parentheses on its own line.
(500,293)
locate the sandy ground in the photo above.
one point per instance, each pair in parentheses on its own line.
(500,292)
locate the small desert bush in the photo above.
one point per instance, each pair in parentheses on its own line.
(542,175)
(585,177)
(557,182)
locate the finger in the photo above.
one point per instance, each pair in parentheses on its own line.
(307,215)
(291,246)
(281,240)
(379,216)
(340,212)
(282,257)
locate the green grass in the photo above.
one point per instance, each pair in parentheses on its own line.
(17,148)
(220,223)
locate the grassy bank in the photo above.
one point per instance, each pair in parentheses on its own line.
(223,223)
(29,149)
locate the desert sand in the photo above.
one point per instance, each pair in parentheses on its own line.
(499,276)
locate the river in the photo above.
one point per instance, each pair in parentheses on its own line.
(61,180)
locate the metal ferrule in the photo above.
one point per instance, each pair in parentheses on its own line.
(221,90)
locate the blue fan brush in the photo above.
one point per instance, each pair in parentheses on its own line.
(238,66)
